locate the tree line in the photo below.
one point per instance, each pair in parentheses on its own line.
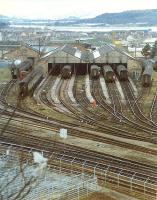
(148,51)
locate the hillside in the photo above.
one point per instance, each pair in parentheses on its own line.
(136,16)
(4,21)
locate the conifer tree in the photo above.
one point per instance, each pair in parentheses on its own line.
(146,50)
(153,52)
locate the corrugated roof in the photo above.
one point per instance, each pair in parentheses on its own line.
(121,52)
(104,49)
(78,53)
(96,54)
(69,49)
(30,47)
(107,48)
(85,56)
(88,56)
(91,57)
(148,69)
(51,52)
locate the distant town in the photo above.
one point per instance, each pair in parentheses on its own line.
(46,38)
(130,30)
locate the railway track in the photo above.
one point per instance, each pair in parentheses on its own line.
(100,169)
(119,115)
(117,106)
(83,153)
(77,112)
(153,109)
(93,137)
(98,127)
(111,109)
(136,110)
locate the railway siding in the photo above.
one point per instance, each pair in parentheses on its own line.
(113,175)
(86,143)
(38,91)
(107,148)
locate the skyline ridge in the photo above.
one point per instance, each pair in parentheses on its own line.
(79,18)
(58,9)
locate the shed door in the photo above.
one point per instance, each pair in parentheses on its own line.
(49,67)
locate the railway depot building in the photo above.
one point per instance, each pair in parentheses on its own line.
(82,60)
(22,52)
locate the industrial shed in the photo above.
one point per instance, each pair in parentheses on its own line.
(109,54)
(22,52)
(82,60)
(134,68)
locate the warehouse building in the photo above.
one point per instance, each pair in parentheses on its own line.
(82,60)
(22,52)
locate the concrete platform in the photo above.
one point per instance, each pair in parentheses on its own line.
(38,90)
(54,96)
(122,97)
(70,89)
(87,89)
(133,87)
(104,89)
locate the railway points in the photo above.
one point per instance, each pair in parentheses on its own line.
(115,139)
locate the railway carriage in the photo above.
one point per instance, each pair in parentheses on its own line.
(155,66)
(147,76)
(23,84)
(29,84)
(14,73)
(122,72)
(147,66)
(34,83)
(25,68)
(26,65)
(66,72)
(94,71)
(108,73)
(21,69)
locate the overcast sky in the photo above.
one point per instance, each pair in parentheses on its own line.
(63,8)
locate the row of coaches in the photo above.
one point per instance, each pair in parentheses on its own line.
(30,83)
(95,72)
(147,72)
(28,78)
(109,72)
